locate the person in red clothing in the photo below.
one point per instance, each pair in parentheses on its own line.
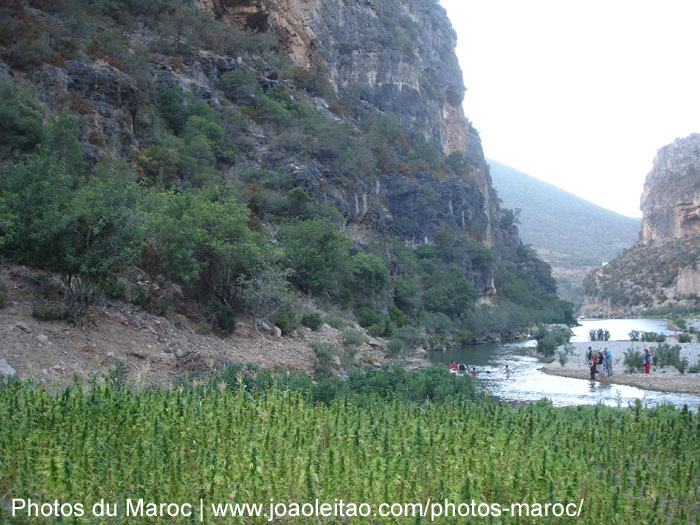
(453,367)
(646,359)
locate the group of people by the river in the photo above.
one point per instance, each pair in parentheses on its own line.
(462,369)
(603,359)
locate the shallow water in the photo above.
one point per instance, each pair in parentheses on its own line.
(528,383)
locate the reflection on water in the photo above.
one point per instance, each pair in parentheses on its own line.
(528,383)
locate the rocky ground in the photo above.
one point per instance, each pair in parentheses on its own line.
(666,379)
(155,349)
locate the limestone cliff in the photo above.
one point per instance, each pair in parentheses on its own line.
(671,198)
(384,56)
(663,269)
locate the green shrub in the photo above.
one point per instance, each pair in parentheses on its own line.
(325,352)
(685,338)
(45,312)
(652,337)
(547,342)
(563,358)
(223,317)
(463,337)
(114,289)
(203,328)
(350,337)
(335,322)
(667,355)
(437,323)
(695,369)
(242,87)
(599,335)
(395,346)
(398,317)
(368,316)
(286,321)
(21,117)
(311,321)
(634,361)
(411,336)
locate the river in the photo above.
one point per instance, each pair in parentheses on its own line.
(528,383)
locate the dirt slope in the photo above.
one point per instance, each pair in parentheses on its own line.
(155,349)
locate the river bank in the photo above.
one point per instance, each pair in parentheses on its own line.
(666,379)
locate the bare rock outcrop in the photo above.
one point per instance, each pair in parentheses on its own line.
(671,198)
(392,56)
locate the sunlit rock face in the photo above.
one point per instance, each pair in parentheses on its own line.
(663,269)
(671,199)
(393,55)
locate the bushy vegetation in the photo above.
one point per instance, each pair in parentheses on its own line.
(662,355)
(312,321)
(667,355)
(599,335)
(634,361)
(217,440)
(549,340)
(646,337)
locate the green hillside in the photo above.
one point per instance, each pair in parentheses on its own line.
(569,232)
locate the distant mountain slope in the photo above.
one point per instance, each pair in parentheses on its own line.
(570,233)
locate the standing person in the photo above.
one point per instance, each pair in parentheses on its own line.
(474,372)
(508,372)
(601,361)
(646,359)
(590,356)
(594,367)
(609,361)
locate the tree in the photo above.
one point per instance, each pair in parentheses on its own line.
(85,231)
(203,236)
(21,118)
(266,287)
(63,138)
(316,252)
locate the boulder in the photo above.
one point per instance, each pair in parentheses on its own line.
(24,327)
(6,370)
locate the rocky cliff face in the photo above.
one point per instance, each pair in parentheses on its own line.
(383,56)
(395,56)
(671,198)
(663,269)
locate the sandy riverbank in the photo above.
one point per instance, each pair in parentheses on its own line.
(666,379)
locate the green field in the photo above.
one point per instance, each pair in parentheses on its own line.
(224,443)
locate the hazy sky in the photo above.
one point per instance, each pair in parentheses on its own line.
(580,94)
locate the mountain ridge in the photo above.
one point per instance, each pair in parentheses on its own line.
(569,232)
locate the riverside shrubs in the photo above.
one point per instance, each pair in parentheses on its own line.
(662,355)
(548,341)
(646,337)
(599,335)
